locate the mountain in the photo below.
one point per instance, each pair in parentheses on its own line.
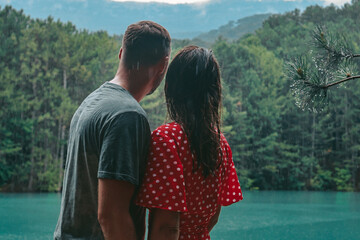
(234,30)
(182,20)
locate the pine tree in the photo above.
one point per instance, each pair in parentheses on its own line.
(330,62)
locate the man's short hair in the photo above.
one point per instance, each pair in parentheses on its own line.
(145,43)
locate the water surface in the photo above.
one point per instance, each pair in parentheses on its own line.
(261,215)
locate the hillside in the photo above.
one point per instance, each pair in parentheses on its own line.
(235,29)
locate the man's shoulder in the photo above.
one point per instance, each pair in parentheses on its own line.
(118,100)
(107,103)
(112,100)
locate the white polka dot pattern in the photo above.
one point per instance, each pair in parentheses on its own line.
(171,184)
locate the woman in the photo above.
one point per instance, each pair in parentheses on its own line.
(190,172)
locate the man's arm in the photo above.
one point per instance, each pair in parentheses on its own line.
(124,145)
(213,221)
(114,198)
(164,225)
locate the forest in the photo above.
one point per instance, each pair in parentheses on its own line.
(48,67)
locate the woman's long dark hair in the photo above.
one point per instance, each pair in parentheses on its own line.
(193,97)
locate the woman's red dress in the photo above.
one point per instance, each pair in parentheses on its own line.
(171,184)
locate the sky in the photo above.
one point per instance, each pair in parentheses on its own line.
(182,20)
(167,1)
(327,2)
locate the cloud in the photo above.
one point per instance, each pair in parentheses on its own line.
(166,1)
(336,2)
(326,2)
(57,6)
(5,1)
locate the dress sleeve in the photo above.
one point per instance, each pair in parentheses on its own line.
(163,186)
(124,145)
(231,190)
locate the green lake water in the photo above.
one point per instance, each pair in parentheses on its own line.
(261,215)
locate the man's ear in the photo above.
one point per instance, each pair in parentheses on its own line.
(164,64)
(120,53)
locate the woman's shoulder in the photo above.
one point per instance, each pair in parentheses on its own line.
(223,140)
(168,130)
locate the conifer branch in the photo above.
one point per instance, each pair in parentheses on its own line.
(341,81)
(314,74)
(333,48)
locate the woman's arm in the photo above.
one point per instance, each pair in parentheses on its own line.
(164,225)
(214,219)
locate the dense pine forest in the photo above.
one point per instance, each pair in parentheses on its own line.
(48,67)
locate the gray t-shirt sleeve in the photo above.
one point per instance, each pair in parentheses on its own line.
(124,147)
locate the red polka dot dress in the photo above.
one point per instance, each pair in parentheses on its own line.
(170,183)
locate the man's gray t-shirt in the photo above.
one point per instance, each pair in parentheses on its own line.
(109,138)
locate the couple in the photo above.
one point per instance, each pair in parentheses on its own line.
(183,172)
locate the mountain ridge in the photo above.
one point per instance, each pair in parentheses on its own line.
(235,29)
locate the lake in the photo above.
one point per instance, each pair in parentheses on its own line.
(261,215)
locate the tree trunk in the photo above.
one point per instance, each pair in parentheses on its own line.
(64,79)
(62,154)
(32,158)
(58,141)
(353,171)
(350,137)
(62,138)
(312,145)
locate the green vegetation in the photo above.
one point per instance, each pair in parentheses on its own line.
(48,67)
(331,62)
(235,29)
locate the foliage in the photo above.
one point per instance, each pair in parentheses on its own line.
(235,29)
(314,74)
(47,68)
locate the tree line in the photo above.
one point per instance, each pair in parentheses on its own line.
(48,67)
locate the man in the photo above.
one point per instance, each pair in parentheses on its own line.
(108,143)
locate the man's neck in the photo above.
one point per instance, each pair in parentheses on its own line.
(132,86)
